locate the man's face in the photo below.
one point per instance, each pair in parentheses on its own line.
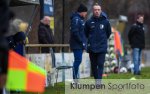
(97,10)
(47,21)
(83,14)
(141,19)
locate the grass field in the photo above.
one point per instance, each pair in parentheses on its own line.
(60,89)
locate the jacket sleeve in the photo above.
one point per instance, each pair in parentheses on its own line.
(52,36)
(108,32)
(130,34)
(75,29)
(42,36)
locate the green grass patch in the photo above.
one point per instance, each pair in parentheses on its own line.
(60,88)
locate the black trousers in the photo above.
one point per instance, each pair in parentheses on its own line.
(97,64)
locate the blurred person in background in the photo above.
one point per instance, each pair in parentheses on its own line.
(136,38)
(45,34)
(4,24)
(77,38)
(16,36)
(21,39)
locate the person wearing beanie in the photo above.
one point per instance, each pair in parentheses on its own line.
(82,8)
(77,38)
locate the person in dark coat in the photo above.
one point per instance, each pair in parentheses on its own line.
(4,24)
(16,36)
(19,39)
(97,31)
(77,37)
(136,38)
(45,35)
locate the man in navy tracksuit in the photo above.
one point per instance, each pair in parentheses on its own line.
(77,37)
(97,31)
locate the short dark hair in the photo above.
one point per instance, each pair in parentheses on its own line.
(139,15)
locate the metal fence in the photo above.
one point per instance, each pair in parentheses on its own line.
(57,47)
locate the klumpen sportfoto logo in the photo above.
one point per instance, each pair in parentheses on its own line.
(108,86)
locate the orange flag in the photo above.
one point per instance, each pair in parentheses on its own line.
(24,75)
(118,44)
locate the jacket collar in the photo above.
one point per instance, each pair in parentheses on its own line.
(80,16)
(138,23)
(44,25)
(101,17)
